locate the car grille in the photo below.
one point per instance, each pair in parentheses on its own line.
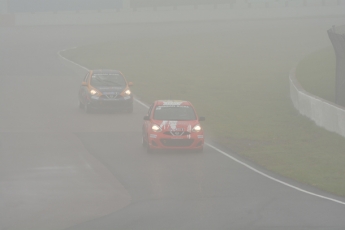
(177,133)
(177,142)
(110,96)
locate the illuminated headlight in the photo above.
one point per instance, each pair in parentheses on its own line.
(128,92)
(156,128)
(196,128)
(93,92)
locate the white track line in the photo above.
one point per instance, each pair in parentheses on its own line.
(141,103)
(233,158)
(59,53)
(272,178)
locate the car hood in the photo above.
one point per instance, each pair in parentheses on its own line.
(110,90)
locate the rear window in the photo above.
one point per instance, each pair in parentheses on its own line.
(174,113)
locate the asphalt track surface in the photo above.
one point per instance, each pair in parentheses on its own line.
(63,169)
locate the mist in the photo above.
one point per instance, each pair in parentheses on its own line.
(264,165)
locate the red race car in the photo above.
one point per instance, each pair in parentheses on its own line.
(172,125)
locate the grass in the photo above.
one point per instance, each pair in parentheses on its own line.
(316,73)
(244,98)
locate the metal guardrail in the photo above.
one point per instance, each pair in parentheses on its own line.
(337,37)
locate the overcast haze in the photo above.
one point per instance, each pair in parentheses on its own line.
(61,168)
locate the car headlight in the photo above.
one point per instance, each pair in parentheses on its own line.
(93,92)
(156,128)
(196,128)
(128,92)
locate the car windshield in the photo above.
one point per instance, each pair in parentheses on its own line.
(107,80)
(174,113)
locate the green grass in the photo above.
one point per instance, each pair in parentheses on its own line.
(244,97)
(316,73)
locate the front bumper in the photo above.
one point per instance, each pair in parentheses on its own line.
(122,103)
(161,141)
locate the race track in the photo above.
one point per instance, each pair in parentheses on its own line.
(63,169)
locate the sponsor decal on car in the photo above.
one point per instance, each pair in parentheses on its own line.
(153,135)
(168,124)
(172,102)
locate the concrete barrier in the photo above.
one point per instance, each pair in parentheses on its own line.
(324,113)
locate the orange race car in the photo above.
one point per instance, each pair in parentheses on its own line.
(105,89)
(172,125)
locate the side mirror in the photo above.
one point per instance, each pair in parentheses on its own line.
(146,118)
(202,118)
(84,83)
(130,83)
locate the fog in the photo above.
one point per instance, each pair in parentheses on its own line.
(61,168)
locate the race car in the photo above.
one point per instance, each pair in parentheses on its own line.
(172,124)
(105,90)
